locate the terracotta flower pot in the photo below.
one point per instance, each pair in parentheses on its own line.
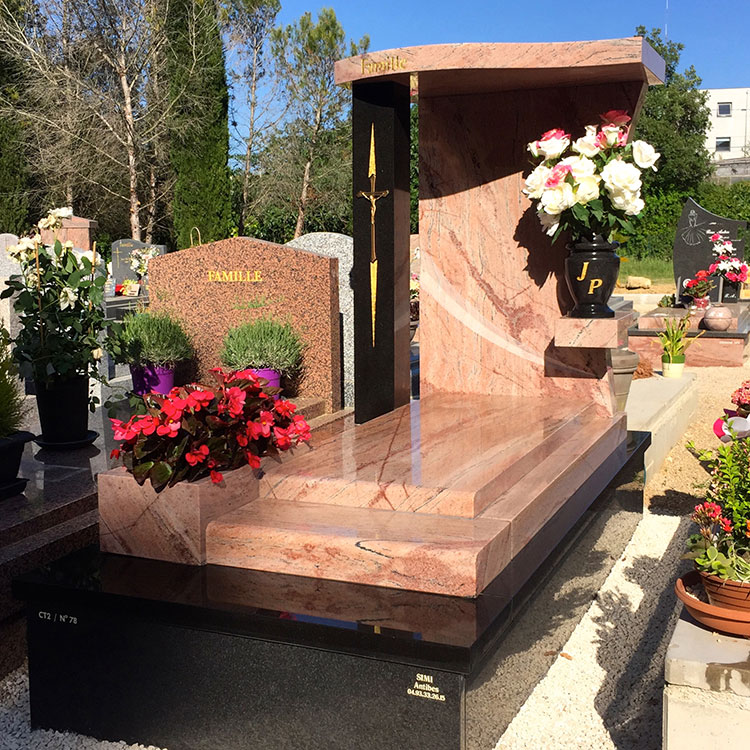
(729,594)
(723,619)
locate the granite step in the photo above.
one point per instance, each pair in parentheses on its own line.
(402,461)
(41,548)
(428,552)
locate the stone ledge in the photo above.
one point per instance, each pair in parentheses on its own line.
(594,333)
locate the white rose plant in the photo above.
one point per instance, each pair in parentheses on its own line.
(590,186)
(58,297)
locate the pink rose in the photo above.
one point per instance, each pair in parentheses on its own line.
(557,175)
(615,117)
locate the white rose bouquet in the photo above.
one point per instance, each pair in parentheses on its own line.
(592,186)
(139,259)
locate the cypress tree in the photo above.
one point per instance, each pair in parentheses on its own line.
(14,176)
(199,145)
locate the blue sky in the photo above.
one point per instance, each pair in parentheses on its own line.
(714,32)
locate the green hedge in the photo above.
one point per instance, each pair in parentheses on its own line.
(656,231)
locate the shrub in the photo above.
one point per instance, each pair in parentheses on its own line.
(12,403)
(263,343)
(149,338)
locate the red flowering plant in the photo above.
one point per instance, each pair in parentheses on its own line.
(722,545)
(699,286)
(197,431)
(741,397)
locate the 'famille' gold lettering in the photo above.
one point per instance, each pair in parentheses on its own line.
(390,64)
(247,276)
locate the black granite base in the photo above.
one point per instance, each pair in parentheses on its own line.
(203,658)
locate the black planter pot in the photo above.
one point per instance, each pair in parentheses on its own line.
(11,450)
(591,273)
(64,413)
(731,291)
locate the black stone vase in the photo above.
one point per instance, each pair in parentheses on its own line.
(591,273)
(64,413)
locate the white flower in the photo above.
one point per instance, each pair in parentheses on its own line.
(611,134)
(587,146)
(61,213)
(535,181)
(556,200)
(68,245)
(549,223)
(628,202)
(68,297)
(14,253)
(47,223)
(580,167)
(97,354)
(587,189)
(621,175)
(533,148)
(551,148)
(644,155)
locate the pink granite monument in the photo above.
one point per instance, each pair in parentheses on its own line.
(516,433)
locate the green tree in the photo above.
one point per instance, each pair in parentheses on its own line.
(674,120)
(14,176)
(414,169)
(305,53)
(199,148)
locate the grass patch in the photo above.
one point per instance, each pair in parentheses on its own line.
(656,269)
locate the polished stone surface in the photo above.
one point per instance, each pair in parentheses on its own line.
(476,67)
(367,504)
(125,648)
(712,349)
(214,287)
(655,320)
(596,333)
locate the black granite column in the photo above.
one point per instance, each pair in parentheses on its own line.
(380,165)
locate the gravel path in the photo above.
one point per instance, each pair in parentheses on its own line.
(608,694)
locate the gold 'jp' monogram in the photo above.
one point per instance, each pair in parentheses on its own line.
(594,284)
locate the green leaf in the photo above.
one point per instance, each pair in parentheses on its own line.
(160,474)
(141,470)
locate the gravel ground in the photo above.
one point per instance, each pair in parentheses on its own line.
(607,694)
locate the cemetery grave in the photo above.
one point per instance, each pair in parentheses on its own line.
(693,251)
(441,510)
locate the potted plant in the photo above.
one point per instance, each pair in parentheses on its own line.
(727,267)
(741,399)
(151,344)
(591,188)
(721,547)
(698,288)
(189,456)
(674,342)
(58,297)
(12,413)
(271,349)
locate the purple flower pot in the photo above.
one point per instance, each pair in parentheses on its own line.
(152,378)
(272,376)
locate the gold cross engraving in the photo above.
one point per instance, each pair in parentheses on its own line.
(373,196)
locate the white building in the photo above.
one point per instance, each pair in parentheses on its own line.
(728,132)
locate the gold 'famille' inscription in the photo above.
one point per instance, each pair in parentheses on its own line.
(252,277)
(594,283)
(390,64)
(424,688)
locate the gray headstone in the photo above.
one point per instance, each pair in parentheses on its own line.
(340,246)
(693,250)
(121,250)
(8,267)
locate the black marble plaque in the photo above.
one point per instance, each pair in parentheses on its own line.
(693,250)
(380,166)
(121,250)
